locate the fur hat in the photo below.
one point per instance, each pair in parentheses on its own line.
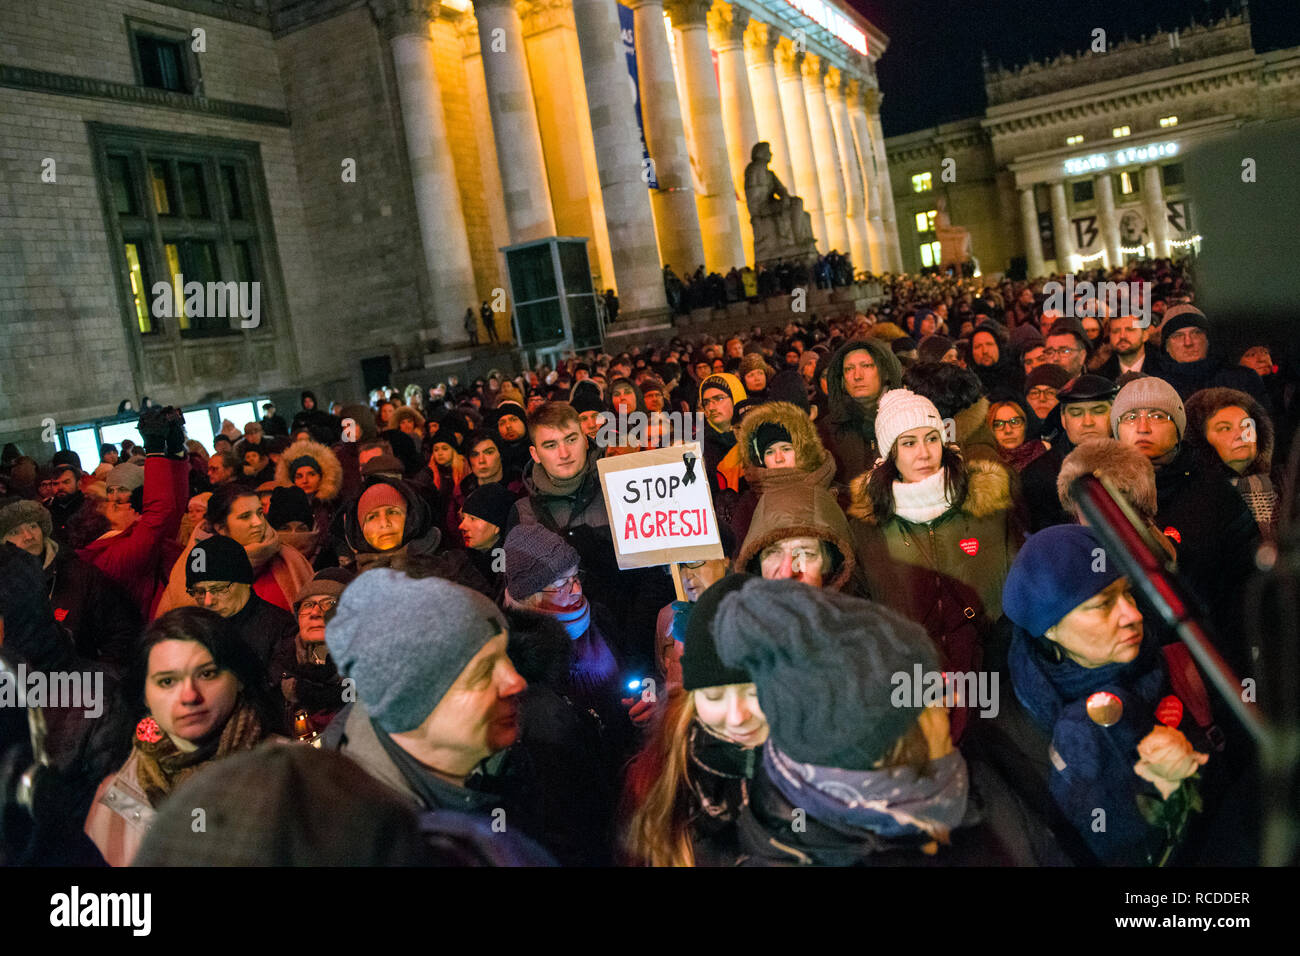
(405,413)
(21,512)
(314,455)
(1131,472)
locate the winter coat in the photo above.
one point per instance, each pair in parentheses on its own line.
(800,510)
(265,628)
(99,614)
(120,815)
(1188,378)
(1038,486)
(276,580)
(997,830)
(326,498)
(973,434)
(139,558)
(946,575)
(848,429)
(812,462)
(1216,537)
(1092,765)
(1201,407)
(316,688)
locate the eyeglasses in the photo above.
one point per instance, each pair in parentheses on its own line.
(1000,423)
(1042,392)
(1052,353)
(198,593)
(1154,416)
(324,605)
(570,583)
(714,400)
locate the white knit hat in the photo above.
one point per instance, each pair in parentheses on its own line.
(902,410)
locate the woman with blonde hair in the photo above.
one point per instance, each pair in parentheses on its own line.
(684,792)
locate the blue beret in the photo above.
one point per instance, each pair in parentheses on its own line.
(1057,570)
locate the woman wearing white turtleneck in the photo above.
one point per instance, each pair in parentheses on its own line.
(934,534)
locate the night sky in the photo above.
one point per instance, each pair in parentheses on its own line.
(931,72)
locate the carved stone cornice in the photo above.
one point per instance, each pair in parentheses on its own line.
(727,24)
(538,16)
(688,13)
(761,40)
(402,17)
(814,68)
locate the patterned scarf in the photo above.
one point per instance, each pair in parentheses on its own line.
(892,802)
(162,767)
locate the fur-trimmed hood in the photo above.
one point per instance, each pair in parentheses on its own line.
(331,477)
(802,510)
(809,453)
(1205,404)
(988,491)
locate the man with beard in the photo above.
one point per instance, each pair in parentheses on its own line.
(513,429)
(68,498)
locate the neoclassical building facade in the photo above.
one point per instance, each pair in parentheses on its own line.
(1078,161)
(365,161)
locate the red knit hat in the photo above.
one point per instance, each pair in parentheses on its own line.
(380,493)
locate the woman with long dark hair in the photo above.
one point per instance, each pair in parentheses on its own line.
(195,693)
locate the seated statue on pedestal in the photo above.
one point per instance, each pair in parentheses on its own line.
(782,230)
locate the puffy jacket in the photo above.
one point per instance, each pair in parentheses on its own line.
(813,463)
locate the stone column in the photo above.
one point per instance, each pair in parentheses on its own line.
(1061,229)
(886,188)
(618,158)
(1033,241)
(838,86)
(799,135)
(727,24)
(676,221)
(876,245)
(760,44)
(1107,220)
(514,121)
(716,202)
(1153,192)
(406,25)
(826,152)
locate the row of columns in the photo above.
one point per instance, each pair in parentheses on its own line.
(824,129)
(1107,221)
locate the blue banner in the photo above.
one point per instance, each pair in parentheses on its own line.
(627,29)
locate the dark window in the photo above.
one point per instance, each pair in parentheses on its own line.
(1082,190)
(162,63)
(1173,174)
(235,191)
(119,178)
(193,195)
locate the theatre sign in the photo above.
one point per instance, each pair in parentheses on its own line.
(1120,157)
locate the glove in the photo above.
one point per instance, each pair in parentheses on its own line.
(681,614)
(153,429)
(176,434)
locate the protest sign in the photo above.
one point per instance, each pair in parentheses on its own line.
(659,506)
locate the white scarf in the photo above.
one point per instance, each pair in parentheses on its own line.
(922,501)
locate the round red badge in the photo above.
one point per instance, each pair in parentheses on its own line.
(1170,711)
(148,731)
(1172,532)
(970,545)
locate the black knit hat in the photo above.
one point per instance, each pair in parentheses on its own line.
(700,664)
(217,558)
(767,434)
(825,666)
(289,504)
(490,502)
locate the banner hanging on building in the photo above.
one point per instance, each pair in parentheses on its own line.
(627,30)
(659,506)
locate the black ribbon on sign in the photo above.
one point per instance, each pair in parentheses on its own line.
(688,459)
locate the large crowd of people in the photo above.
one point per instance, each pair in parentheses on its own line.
(396,630)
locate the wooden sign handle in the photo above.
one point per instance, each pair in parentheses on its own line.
(677,581)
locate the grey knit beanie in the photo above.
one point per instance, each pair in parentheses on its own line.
(125,475)
(824,663)
(1149,392)
(535,558)
(21,512)
(404,641)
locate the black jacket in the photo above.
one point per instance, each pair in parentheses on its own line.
(101,617)
(264,627)
(1038,485)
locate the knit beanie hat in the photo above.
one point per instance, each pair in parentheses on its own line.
(1180,317)
(1068,326)
(304,460)
(1149,392)
(125,475)
(1056,570)
(491,503)
(536,557)
(727,382)
(366,430)
(511,408)
(67,459)
(751,362)
(218,558)
(383,465)
(824,663)
(1025,337)
(328,582)
(1053,376)
(901,410)
(21,512)
(700,664)
(289,504)
(933,348)
(380,493)
(404,641)
(767,434)
(652,383)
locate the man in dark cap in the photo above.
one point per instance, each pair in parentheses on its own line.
(1082,413)
(1188,365)
(219,577)
(512,427)
(68,499)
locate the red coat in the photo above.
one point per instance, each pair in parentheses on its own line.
(140,557)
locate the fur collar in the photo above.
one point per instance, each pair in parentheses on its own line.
(988,491)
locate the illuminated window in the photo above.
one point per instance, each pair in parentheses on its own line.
(921,183)
(1120,131)
(143,317)
(925,221)
(1074,140)
(929,254)
(1167,121)
(1128,184)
